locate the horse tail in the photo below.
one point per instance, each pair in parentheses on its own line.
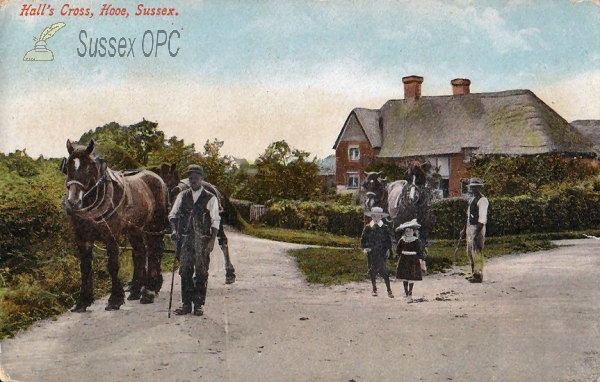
(231,214)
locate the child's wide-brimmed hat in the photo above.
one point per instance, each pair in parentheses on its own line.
(377,211)
(411,224)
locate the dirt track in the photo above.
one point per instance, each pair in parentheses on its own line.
(535,318)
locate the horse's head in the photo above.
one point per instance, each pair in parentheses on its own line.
(412,194)
(416,172)
(376,190)
(170,175)
(83,174)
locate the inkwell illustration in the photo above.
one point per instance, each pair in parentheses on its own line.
(40,52)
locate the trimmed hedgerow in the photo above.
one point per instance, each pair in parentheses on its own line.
(568,209)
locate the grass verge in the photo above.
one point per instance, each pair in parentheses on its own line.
(323,239)
(345,262)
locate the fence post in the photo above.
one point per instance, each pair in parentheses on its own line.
(256,211)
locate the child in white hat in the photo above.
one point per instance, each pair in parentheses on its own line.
(411,257)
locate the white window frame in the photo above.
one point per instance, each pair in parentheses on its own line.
(435,161)
(350,150)
(464,185)
(351,175)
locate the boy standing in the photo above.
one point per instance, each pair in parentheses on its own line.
(376,243)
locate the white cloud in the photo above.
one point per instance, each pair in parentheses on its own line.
(597,2)
(495,27)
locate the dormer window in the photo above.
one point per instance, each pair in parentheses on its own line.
(353,153)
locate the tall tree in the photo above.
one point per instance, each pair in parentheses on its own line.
(282,172)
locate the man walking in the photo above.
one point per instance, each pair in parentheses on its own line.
(195,220)
(476,221)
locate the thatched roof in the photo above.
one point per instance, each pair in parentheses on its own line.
(590,128)
(368,120)
(512,122)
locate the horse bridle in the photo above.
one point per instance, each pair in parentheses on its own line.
(103,215)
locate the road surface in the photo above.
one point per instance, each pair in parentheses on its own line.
(535,318)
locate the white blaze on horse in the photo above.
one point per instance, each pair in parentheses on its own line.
(103,205)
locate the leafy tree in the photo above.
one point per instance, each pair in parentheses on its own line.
(282,173)
(529,175)
(127,147)
(219,170)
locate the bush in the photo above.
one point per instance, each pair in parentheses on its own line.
(243,207)
(568,209)
(335,218)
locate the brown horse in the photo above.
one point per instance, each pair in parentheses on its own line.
(227,211)
(103,205)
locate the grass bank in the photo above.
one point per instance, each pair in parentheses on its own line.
(345,262)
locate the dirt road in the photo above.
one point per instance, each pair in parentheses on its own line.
(535,318)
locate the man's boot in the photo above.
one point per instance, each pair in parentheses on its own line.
(184,309)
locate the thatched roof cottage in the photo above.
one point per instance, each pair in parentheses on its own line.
(449,130)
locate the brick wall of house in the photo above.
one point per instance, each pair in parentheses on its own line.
(458,169)
(343,164)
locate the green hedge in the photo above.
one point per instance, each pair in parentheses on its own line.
(243,207)
(567,210)
(335,218)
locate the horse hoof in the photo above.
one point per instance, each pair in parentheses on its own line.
(147,297)
(134,296)
(79,308)
(230,280)
(114,305)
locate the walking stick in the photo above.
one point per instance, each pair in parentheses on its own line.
(462,232)
(177,248)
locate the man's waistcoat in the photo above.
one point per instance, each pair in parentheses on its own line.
(473,211)
(194,215)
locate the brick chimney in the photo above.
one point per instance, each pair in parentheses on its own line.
(412,87)
(460,86)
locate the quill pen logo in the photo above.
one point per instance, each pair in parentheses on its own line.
(40,52)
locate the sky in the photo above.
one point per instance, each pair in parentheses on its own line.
(254,72)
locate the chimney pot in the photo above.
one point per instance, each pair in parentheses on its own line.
(412,87)
(460,86)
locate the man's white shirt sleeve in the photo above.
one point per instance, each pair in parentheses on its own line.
(483,204)
(213,209)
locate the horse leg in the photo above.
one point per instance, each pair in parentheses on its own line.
(87,287)
(117,294)
(229,269)
(139,265)
(153,282)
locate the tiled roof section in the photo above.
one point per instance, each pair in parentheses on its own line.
(512,122)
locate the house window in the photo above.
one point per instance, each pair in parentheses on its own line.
(444,187)
(353,153)
(441,168)
(464,186)
(352,180)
